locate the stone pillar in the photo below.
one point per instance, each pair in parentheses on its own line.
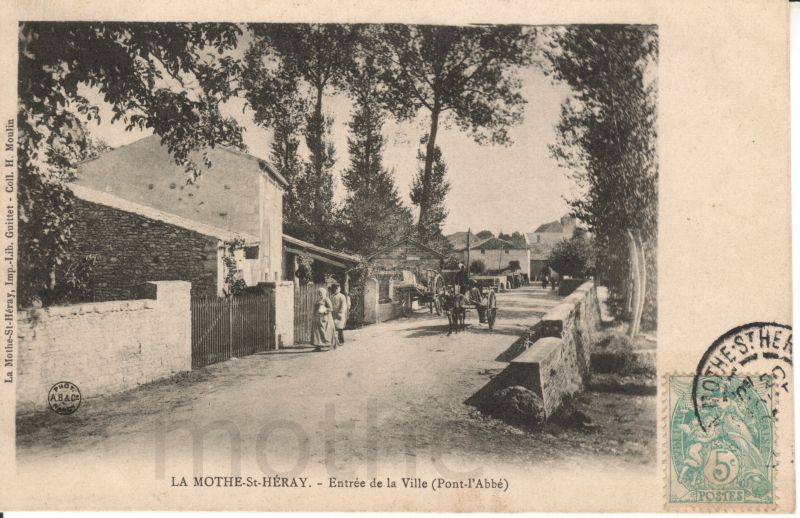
(284,314)
(371,292)
(173,303)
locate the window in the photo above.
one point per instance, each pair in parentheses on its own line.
(483,251)
(251,252)
(383,288)
(506,250)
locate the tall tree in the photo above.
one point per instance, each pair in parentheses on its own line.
(373,213)
(272,93)
(467,74)
(168,78)
(317,55)
(429,225)
(607,138)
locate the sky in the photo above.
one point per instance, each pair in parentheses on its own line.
(499,188)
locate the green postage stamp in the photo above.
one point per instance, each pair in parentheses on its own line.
(720,440)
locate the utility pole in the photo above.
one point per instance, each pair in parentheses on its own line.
(469,231)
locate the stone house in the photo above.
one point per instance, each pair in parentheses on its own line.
(542,240)
(497,254)
(554,231)
(140,219)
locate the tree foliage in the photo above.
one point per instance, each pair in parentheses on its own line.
(167,78)
(607,139)
(273,96)
(574,257)
(485,234)
(373,213)
(477,267)
(430,223)
(466,75)
(316,58)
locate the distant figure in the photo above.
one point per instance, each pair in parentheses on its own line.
(553,280)
(544,277)
(462,278)
(323,330)
(341,308)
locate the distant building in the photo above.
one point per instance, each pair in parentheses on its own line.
(542,240)
(497,254)
(554,231)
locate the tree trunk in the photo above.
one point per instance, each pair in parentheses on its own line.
(637,281)
(424,202)
(643,282)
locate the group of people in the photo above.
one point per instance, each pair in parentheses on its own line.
(549,276)
(330,318)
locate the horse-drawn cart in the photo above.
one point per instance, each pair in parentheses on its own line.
(441,292)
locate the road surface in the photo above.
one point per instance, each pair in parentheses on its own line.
(392,394)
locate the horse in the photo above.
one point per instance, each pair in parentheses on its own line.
(453,305)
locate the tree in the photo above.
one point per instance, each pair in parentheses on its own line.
(273,96)
(573,257)
(477,267)
(519,240)
(319,56)
(373,213)
(467,74)
(429,226)
(167,78)
(485,234)
(514,265)
(607,138)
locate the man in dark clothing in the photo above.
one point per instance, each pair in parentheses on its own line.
(462,278)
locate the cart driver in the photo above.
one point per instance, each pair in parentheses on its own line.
(474,297)
(461,278)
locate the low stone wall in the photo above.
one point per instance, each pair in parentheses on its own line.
(104,347)
(375,311)
(556,361)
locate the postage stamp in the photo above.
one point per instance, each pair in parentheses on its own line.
(720,450)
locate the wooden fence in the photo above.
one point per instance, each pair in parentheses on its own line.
(232,327)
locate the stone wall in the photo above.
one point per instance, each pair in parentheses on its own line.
(130,249)
(374,310)
(556,361)
(104,347)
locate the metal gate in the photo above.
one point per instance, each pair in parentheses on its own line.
(304,297)
(232,327)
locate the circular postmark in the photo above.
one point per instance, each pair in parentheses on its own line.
(64,398)
(758,349)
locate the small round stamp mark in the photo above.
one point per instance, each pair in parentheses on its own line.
(64,398)
(759,349)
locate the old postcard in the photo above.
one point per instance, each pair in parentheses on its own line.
(396,256)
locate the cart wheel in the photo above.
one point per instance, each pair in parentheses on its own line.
(491,310)
(437,305)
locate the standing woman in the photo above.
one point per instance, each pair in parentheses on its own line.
(323,332)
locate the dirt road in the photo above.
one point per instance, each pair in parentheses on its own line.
(393,393)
